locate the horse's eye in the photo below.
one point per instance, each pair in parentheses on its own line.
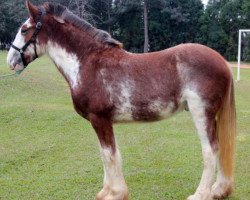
(24,31)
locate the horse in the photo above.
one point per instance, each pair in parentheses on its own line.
(110,85)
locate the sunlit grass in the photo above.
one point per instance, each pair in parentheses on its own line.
(47,151)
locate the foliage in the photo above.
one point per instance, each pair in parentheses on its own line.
(169,22)
(221,22)
(48,152)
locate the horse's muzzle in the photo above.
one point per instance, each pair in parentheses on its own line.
(17,67)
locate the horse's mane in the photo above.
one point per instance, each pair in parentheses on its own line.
(62,12)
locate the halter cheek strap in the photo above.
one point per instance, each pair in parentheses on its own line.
(32,40)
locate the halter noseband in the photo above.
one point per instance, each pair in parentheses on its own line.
(32,40)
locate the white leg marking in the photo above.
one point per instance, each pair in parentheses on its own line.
(114,184)
(222,184)
(197,109)
(68,63)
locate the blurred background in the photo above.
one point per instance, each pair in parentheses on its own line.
(150,25)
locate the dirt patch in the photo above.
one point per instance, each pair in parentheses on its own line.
(242,65)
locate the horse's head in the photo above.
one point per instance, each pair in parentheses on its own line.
(30,40)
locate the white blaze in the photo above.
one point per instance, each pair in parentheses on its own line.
(18,42)
(14,56)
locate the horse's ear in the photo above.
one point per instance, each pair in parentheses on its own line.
(33,10)
(59,19)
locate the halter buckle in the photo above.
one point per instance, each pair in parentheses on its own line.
(38,25)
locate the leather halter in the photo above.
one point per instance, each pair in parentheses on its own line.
(32,40)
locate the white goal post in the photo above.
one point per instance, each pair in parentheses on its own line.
(239,50)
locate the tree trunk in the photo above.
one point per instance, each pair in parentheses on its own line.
(109,14)
(145,17)
(80,9)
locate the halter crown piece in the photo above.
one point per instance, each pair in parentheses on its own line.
(32,40)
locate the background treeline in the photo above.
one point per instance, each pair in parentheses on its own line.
(150,25)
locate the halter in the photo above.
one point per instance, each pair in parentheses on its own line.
(32,40)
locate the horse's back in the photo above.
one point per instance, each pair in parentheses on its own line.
(192,66)
(200,59)
(194,56)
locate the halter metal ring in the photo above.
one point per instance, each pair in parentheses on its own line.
(38,25)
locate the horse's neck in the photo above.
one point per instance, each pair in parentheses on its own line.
(68,63)
(68,54)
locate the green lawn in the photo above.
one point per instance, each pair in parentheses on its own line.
(47,151)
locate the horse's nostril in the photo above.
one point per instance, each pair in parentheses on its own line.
(12,67)
(18,67)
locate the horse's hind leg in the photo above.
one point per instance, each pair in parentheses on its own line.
(114,186)
(204,120)
(223,186)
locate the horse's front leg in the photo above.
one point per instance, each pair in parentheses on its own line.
(114,186)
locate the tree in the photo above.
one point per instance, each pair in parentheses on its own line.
(212,31)
(11,19)
(153,25)
(145,19)
(128,24)
(174,22)
(13,16)
(102,11)
(81,8)
(246,24)
(221,23)
(246,49)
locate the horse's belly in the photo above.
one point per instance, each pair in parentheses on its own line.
(152,111)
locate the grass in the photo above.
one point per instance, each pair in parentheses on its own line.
(47,151)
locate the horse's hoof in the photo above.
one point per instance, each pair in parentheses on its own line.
(101,195)
(191,197)
(200,196)
(111,197)
(221,190)
(107,194)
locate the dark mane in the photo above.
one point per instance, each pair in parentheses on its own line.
(99,35)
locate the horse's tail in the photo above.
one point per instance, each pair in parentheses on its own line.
(226,132)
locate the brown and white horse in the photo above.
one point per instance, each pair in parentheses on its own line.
(109,85)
